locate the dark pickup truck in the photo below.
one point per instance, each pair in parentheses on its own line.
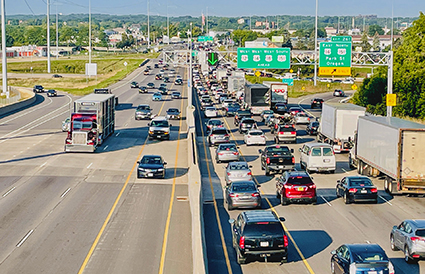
(276,158)
(241,114)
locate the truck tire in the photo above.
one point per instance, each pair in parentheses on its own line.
(241,259)
(359,167)
(350,162)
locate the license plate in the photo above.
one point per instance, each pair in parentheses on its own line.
(326,160)
(150,174)
(364,191)
(280,167)
(372,272)
(300,189)
(264,244)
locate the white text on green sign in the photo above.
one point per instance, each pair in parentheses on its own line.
(335,54)
(271,58)
(341,39)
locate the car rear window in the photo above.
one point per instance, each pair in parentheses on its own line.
(219,131)
(317,151)
(279,151)
(420,232)
(248,121)
(299,180)
(243,187)
(286,128)
(255,133)
(327,151)
(360,182)
(238,167)
(215,122)
(368,256)
(263,228)
(228,147)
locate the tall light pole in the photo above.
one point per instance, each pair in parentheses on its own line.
(189,95)
(57,33)
(89,31)
(149,39)
(207,22)
(3,48)
(315,46)
(48,37)
(168,26)
(390,65)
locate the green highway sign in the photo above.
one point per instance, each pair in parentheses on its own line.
(288,81)
(270,58)
(194,53)
(205,39)
(341,39)
(212,58)
(335,54)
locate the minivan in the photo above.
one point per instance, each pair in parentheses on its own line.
(317,157)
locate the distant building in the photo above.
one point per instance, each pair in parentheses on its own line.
(241,21)
(384,40)
(330,31)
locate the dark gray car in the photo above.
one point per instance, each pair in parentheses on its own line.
(243,194)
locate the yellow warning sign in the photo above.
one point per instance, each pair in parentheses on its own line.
(391,100)
(258,73)
(334,71)
(354,87)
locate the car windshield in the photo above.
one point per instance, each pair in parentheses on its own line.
(368,256)
(143,108)
(257,133)
(263,228)
(299,180)
(360,182)
(279,151)
(315,124)
(151,160)
(238,166)
(161,123)
(243,187)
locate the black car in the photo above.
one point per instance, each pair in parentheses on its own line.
(178,81)
(156,66)
(280,108)
(166,80)
(360,258)
(151,85)
(38,89)
(134,84)
(259,233)
(246,124)
(312,128)
(158,77)
(151,166)
(356,188)
(339,93)
(316,102)
(276,158)
(241,114)
(149,67)
(143,89)
(51,92)
(57,76)
(163,90)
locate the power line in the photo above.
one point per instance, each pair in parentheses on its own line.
(28,5)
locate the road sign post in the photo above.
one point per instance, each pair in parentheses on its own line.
(265,58)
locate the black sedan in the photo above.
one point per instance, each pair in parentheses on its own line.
(134,84)
(151,166)
(166,80)
(143,89)
(356,188)
(51,93)
(360,258)
(316,102)
(163,90)
(312,128)
(151,85)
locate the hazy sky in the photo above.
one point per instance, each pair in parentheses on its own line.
(233,8)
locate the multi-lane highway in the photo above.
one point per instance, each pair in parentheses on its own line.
(87,212)
(314,230)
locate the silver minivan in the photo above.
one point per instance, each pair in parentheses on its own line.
(317,157)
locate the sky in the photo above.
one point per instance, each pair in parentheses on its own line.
(227,8)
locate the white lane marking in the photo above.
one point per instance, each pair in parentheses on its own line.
(89,165)
(117,134)
(344,170)
(8,192)
(126,124)
(43,164)
(368,242)
(299,104)
(25,238)
(105,147)
(385,200)
(329,204)
(66,192)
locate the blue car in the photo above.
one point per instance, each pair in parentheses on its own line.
(157,96)
(360,258)
(232,108)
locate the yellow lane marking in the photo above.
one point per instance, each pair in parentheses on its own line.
(307,265)
(170,208)
(220,229)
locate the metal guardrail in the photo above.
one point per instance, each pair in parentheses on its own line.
(14,97)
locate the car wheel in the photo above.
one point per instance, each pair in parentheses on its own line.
(393,247)
(346,200)
(284,260)
(262,166)
(301,165)
(277,195)
(240,257)
(283,200)
(217,160)
(331,171)
(336,193)
(267,171)
(407,256)
(229,206)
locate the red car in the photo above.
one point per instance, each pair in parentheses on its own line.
(296,186)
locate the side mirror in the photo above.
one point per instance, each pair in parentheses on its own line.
(138,162)
(258,186)
(171,125)
(395,227)
(282,219)
(260,151)
(250,166)
(299,150)
(333,252)
(231,221)
(338,181)
(165,163)
(238,147)
(292,150)
(149,124)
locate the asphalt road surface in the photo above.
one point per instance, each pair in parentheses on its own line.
(315,230)
(87,212)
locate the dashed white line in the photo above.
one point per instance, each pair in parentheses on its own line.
(385,200)
(89,165)
(66,192)
(105,147)
(329,204)
(117,134)
(43,164)
(25,238)
(368,242)
(344,170)
(8,192)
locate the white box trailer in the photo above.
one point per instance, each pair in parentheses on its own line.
(235,84)
(338,124)
(391,147)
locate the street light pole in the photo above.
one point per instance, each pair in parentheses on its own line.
(315,46)
(3,48)
(149,39)
(189,95)
(48,37)
(89,31)
(207,22)
(57,34)
(168,26)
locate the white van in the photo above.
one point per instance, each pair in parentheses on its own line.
(317,157)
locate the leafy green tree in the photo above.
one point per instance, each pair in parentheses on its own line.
(375,29)
(364,42)
(376,42)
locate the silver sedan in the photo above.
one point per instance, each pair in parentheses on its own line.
(237,171)
(243,194)
(226,152)
(301,118)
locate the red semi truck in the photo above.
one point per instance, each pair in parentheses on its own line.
(92,121)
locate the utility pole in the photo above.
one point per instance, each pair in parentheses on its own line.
(207,22)
(168,25)
(149,39)
(57,34)
(48,37)
(390,66)
(189,95)
(3,48)
(315,47)
(89,31)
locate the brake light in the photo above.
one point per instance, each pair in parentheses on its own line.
(242,242)
(256,194)
(262,223)
(268,160)
(373,190)
(226,135)
(285,240)
(415,239)
(220,153)
(415,256)
(280,132)
(352,190)
(228,173)
(249,173)
(312,186)
(235,153)
(233,195)
(293,132)
(293,160)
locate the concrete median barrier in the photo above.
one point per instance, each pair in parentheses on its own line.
(29,98)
